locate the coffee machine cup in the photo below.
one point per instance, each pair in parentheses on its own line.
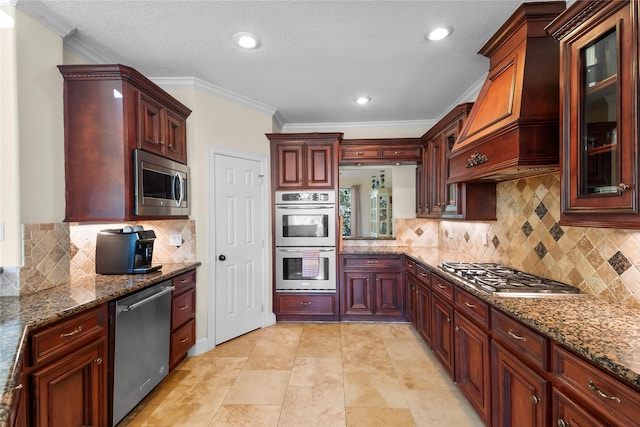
(125,251)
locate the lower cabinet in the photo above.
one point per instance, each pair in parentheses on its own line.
(567,412)
(67,371)
(18,408)
(306,306)
(442,332)
(183,317)
(520,395)
(372,287)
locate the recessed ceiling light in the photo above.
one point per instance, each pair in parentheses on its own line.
(362,100)
(438,33)
(246,40)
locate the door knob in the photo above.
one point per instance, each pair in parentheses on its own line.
(222,257)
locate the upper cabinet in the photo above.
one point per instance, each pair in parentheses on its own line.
(512,129)
(436,197)
(380,151)
(110,110)
(304,160)
(599,89)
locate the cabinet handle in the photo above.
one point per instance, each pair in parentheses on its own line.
(360,153)
(599,392)
(457,328)
(98,361)
(516,336)
(468,304)
(184,307)
(372,261)
(440,286)
(448,320)
(305,302)
(18,387)
(622,186)
(562,423)
(161,142)
(398,152)
(184,340)
(184,280)
(72,333)
(534,399)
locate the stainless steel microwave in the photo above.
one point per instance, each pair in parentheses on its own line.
(161,186)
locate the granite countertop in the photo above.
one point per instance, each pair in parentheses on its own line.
(20,314)
(608,334)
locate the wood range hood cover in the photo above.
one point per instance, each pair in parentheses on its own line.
(513,128)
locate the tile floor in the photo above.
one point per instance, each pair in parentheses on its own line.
(310,374)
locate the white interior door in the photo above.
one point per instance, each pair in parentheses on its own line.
(239,245)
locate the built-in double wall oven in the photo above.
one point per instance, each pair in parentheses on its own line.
(305,234)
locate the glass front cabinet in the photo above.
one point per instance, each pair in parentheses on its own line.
(599,124)
(381,218)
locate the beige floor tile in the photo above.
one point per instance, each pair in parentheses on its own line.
(397,330)
(247,415)
(258,388)
(405,349)
(241,346)
(321,346)
(438,409)
(422,374)
(318,330)
(285,334)
(379,417)
(315,372)
(215,371)
(368,390)
(366,360)
(313,406)
(269,355)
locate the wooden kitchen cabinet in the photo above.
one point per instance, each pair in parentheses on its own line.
(109,111)
(599,125)
(435,196)
(442,342)
(304,160)
(380,151)
(472,351)
(68,371)
(418,298)
(306,306)
(371,287)
(567,412)
(18,408)
(183,317)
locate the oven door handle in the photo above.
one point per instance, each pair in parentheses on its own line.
(298,250)
(305,207)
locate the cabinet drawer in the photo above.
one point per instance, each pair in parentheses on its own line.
(423,275)
(597,388)
(373,262)
(54,340)
(359,153)
(525,342)
(401,152)
(410,266)
(472,307)
(184,280)
(306,304)
(442,288)
(182,340)
(183,308)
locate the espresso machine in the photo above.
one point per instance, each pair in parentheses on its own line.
(128,250)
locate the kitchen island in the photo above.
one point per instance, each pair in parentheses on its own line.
(21,314)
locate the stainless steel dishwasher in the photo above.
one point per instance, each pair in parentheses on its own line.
(141,346)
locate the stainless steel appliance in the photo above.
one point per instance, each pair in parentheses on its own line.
(305,218)
(125,251)
(500,280)
(291,275)
(141,345)
(161,186)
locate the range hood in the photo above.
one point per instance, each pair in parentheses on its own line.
(513,128)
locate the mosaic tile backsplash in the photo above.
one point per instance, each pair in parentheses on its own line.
(55,252)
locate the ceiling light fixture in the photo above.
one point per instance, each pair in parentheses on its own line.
(438,33)
(362,100)
(246,40)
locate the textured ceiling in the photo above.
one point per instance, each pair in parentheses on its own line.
(315,56)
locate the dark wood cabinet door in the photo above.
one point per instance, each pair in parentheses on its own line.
(150,122)
(437,161)
(358,298)
(289,166)
(388,296)
(423,313)
(320,166)
(520,396)
(442,332)
(567,413)
(410,299)
(175,130)
(472,364)
(72,391)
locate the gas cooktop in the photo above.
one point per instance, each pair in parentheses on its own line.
(500,280)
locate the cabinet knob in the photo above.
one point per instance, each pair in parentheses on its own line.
(534,399)
(622,186)
(18,387)
(98,361)
(562,423)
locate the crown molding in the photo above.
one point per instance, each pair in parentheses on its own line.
(45,16)
(84,52)
(310,127)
